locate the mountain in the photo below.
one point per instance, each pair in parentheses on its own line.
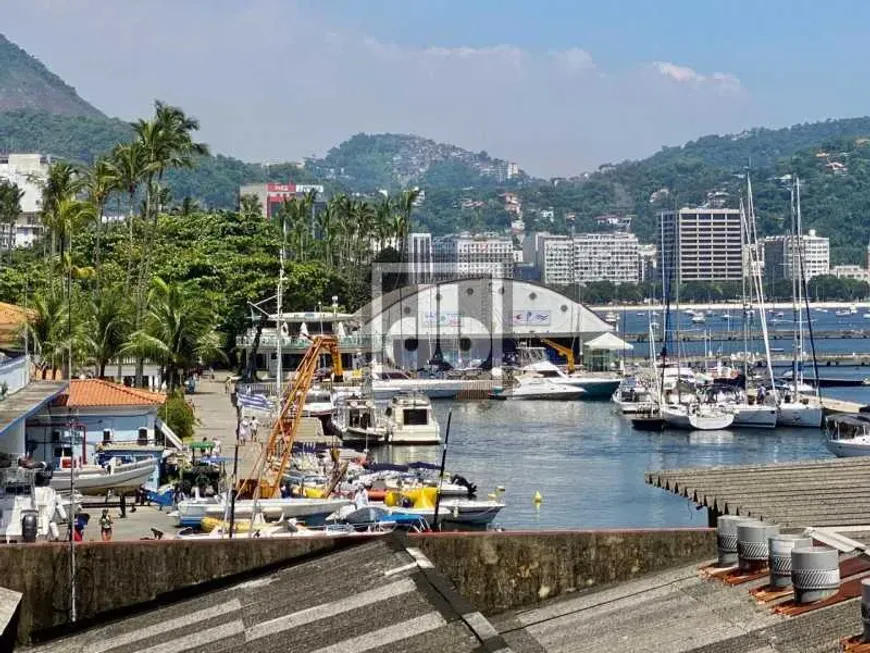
(365,162)
(25,83)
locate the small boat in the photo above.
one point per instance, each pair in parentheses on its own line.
(410,420)
(27,500)
(631,398)
(98,479)
(318,403)
(848,435)
(853,309)
(359,420)
(538,388)
(843,313)
(698,417)
(611,318)
(192,511)
(699,318)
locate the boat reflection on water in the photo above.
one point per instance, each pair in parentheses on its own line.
(711,437)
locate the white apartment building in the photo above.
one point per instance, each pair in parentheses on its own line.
(468,255)
(420,258)
(782,256)
(703,244)
(855,272)
(29,172)
(589,257)
(648,262)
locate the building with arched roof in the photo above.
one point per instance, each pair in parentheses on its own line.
(466,319)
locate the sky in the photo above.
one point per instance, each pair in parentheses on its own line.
(559,86)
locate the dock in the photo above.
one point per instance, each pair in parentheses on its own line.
(831,492)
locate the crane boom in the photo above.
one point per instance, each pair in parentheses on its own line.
(567,352)
(272,462)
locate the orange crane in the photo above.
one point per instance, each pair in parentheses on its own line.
(567,352)
(267,473)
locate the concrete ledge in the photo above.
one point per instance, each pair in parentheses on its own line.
(508,570)
(114,576)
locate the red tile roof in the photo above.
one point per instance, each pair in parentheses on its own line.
(95,392)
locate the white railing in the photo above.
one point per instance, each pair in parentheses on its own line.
(297,343)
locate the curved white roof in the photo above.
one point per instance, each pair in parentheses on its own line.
(504,307)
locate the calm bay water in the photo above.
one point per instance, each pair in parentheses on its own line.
(588,463)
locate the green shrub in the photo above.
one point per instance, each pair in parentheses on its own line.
(178,415)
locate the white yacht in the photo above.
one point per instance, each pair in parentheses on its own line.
(318,403)
(806,412)
(848,435)
(592,386)
(387,382)
(29,507)
(359,420)
(410,420)
(755,416)
(631,397)
(531,386)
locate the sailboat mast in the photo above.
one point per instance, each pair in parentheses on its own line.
(794,270)
(756,276)
(800,277)
(746,305)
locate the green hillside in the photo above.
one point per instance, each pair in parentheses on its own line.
(25,83)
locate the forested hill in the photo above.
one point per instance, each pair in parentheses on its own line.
(25,83)
(371,161)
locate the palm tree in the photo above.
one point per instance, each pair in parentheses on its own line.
(404,208)
(46,330)
(167,143)
(131,165)
(108,328)
(383,222)
(179,331)
(10,209)
(61,184)
(100,180)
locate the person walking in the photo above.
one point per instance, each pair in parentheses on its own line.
(255,428)
(106,523)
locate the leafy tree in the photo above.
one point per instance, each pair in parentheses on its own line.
(10,208)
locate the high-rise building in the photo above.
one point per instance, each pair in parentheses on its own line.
(589,257)
(648,262)
(467,255)
(702,244)
(782,256)
(29,172)
(420,258)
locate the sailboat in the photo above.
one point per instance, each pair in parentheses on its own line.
(758,414)
(796,409)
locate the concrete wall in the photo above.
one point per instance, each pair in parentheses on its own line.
(15,374)
(501,571)
(114,576)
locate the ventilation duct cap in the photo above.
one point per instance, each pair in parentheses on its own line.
(752,548)
(815,573)
(780,547)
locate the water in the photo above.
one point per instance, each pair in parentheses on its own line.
(588,462)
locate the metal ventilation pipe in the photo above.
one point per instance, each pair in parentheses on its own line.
(815,573)
(726,539)
(752,549)
(779,561)
(865,607)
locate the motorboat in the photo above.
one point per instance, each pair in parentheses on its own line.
(533,387)
(410,420)
(611,318)
(318,403)
(99,479)
(389,381)
(806,412)
(848,435)
(843,313)
(631,397)
(650,420)
(699,318)
(29,507)
(463,512)
(697,417)
(359,420)
(593,386)
(192,511)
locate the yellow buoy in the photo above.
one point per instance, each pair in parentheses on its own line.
(537,498)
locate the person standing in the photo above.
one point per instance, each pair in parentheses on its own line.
(244,430)
(106,523)
(255,428)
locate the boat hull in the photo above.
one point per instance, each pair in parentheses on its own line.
(754,417)
(594,388)
(191,513)
(125,477)
(847,449)
(800,415)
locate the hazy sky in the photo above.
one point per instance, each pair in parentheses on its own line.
(560,86)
